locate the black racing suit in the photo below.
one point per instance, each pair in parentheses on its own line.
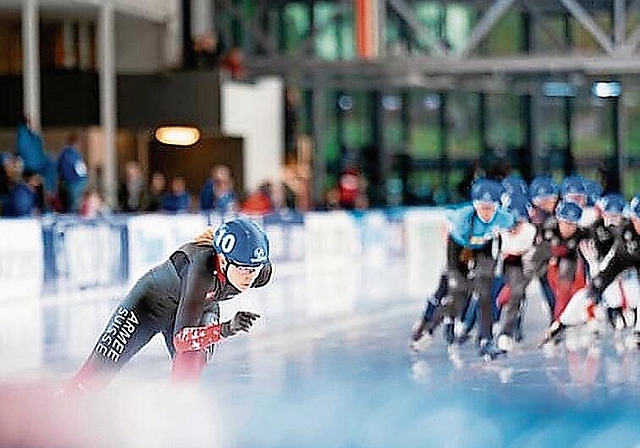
(470,270)
(563,259)
(181,292)
(623,254)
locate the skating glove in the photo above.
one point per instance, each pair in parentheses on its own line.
(242,321)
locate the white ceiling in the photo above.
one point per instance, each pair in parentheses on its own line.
(154,10)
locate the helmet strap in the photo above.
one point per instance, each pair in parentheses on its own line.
(221,273)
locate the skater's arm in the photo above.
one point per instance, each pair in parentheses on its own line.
(189,335)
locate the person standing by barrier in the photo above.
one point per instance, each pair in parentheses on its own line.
(178,199)
(72,173)
(180,299)
(217,193)
(156,191)
(31,150)
(132,191)
(25,197)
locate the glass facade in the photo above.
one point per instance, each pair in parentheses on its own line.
(427,137)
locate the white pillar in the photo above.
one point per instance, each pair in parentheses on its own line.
(108,118)
(31,61)
(84,45)
(201,17)
(172,36)
(68,43)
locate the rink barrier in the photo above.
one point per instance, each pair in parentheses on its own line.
(84,253)
(69,253)
(21,260)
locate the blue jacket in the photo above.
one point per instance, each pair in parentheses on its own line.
(209,201)
(468,230)
(30,148)
(71,166)
(207,196)
(22,201)
(176,203)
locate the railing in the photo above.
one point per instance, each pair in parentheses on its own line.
(68,253)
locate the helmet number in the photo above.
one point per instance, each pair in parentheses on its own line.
(227,242)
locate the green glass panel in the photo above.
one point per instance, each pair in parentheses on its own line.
(296,18)
(326,39)
(506,36)
(552,131)
(504,127)
(631,185)
(424,124)
(463,119)
(591,126)
(631,102)
(583,41)
(459,23)
(357,123)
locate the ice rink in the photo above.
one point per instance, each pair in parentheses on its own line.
(315,373)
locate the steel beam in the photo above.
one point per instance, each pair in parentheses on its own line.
(619,24)
(488,21)
(632,42)
(409,16)
(541,23)
(430,66)
(382,27)
(589,24)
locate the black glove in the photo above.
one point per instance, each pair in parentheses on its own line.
(242,321)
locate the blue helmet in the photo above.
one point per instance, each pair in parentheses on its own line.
(569,211)
(541,187)
(518,205)
(613,204)
(242,242)
(593,190)
(486,190)
(634,207)
(515,184)
(574,184)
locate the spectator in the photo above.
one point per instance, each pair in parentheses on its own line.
(5,162)
(217,193)
(23,197)
(352,189)
(291,122)
(32,152)
(234,63)
(259,203)
(131,191)
(331,199)
(92,204)
(156,191)
(178,200)
(471,173)
(72,173)
(206,51)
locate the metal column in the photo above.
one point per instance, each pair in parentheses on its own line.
(445,166)
(319,125)
(31,62)
(619,154)
(108,117)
